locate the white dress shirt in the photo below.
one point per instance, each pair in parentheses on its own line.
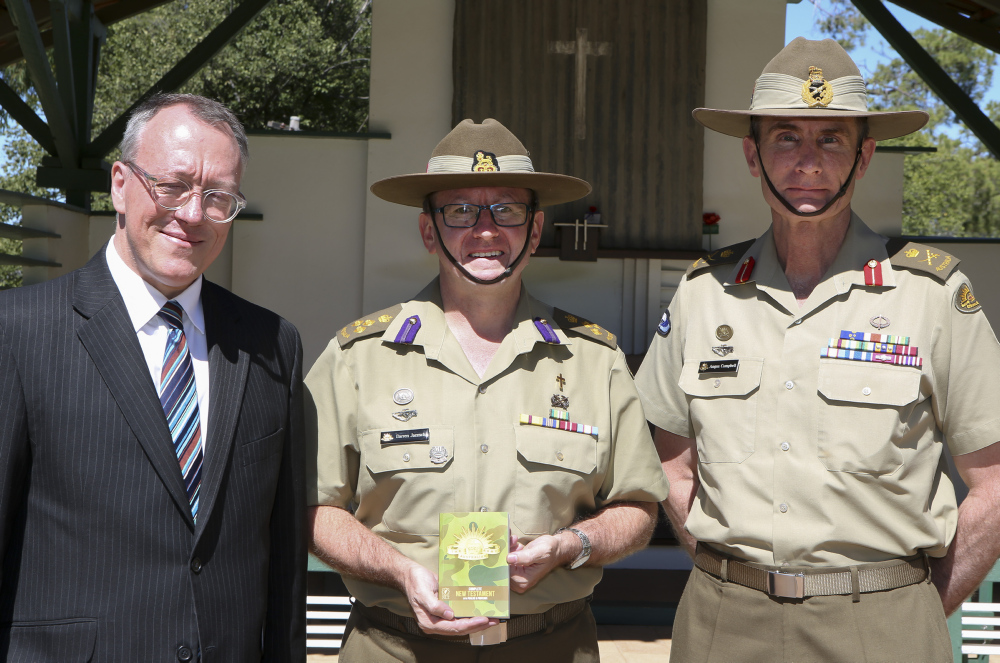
(143,303)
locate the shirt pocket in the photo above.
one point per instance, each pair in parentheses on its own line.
(864,415)
(410,487)
(723,410)
(553,476)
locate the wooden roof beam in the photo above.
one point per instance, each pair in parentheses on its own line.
(931,72)
(44,80)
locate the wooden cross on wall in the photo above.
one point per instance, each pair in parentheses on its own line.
(581,48)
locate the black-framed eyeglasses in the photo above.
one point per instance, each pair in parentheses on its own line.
(466,215)
(217,205)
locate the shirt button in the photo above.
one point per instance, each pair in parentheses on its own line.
(184,654)
(484,448)
(482,389)
(866,391)
(196,565)
(789,384)
(483,509)
(784,446)
(406,458)
(559,455)
(717,383)
(798,322)
(783,507)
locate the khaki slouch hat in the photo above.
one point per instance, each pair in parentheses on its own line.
(475,155)
(811,79)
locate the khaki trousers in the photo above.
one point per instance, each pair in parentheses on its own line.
(719,622)
(571,641)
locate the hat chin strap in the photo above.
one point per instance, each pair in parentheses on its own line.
(475,279)
(788,205)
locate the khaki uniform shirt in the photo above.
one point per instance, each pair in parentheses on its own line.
(545,478)
(820,461)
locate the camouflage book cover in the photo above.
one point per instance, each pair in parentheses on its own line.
(473,576)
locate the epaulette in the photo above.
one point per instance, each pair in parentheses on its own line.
(376,323)
(574,324)
(727,255)
(921,258)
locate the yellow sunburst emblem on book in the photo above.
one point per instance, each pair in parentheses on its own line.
(473,544)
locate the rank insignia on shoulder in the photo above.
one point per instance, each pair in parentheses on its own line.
(664,327)
(965,301)
(727,255)
(581,327)
(921,258)
(724,366)
(370,325)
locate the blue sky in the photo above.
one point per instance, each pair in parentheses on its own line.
(800,21)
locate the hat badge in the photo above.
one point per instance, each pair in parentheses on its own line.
(816,90)
(485,162)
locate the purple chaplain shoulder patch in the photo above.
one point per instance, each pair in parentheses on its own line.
(545,329)
(408,332)
(664,327)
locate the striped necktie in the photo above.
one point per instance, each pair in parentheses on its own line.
(179,398)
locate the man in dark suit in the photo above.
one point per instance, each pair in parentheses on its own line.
(151,504)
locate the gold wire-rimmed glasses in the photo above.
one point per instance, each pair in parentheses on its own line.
(217,205)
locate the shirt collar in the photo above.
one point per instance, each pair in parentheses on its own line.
(433,327)
(143,302)
(861,244)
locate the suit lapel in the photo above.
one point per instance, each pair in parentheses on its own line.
(107,334)
(228,365)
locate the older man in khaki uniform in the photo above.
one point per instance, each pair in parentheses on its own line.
(804,385)
(430,406)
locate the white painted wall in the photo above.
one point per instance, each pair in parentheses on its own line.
(742,38)
(411,90)
(304,260)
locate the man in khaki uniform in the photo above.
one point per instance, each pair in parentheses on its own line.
(428,407)
(804,384)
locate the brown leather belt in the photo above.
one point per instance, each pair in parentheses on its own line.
(517,625)
(801,582)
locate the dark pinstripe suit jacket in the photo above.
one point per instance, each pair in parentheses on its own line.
(101,560)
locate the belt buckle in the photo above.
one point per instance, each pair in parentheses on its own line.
(493,635)
(786,585)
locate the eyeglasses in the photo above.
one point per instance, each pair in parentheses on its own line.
(466,215)
(170,193)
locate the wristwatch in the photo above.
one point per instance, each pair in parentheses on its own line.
(584,555)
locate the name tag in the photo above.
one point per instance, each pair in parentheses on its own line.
(416,435)
(724,366)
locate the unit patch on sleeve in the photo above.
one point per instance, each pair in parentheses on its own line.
(965,301)
(664,327)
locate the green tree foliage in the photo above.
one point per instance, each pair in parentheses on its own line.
(308,58)
(954,191)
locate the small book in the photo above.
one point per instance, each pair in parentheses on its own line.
(473,576)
